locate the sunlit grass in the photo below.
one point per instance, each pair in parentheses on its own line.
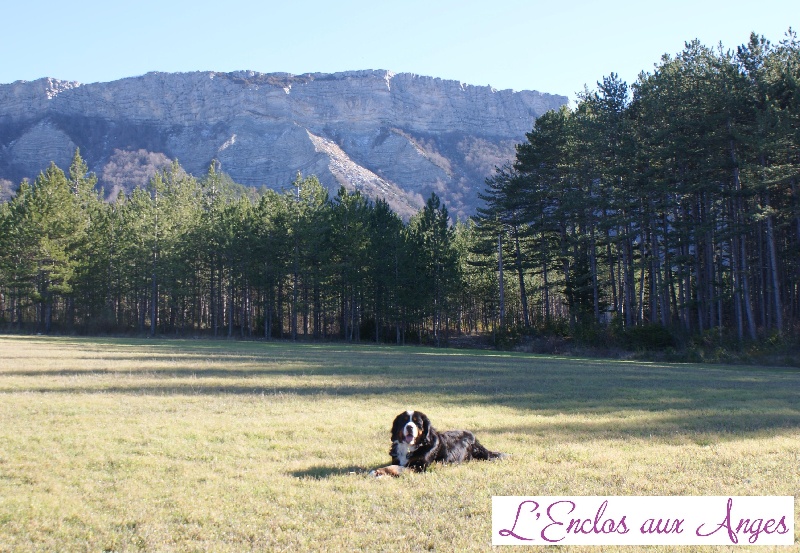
(197,445)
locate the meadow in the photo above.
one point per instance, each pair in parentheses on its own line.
(172,445)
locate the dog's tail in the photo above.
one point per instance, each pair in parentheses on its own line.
(480,452)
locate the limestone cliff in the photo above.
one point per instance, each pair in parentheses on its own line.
(396,136)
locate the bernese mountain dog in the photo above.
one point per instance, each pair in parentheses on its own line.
(416,444)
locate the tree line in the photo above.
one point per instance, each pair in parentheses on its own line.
(184,256)
(677,205)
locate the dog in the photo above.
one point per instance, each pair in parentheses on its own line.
(416,444)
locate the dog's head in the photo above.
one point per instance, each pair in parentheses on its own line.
(411,427)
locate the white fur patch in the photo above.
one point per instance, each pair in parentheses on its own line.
(403,451)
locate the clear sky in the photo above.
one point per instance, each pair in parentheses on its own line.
(555,46)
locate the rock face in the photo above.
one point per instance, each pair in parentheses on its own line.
(399,137)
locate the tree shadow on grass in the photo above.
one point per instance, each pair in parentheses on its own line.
(679,397)
(710,427)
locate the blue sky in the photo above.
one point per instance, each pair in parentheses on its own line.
(554,46)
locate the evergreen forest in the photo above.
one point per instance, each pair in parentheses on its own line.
(650,214)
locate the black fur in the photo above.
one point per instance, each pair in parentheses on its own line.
(429,445)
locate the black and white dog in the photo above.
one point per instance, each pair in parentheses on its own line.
(416,444)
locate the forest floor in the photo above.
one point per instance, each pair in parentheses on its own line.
(200,445)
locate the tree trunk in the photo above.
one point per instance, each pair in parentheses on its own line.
(521,274)
(741,251)
(213,293)
(546,285)
(501,280)
(629,291)
(154,296)
(565,267)
(748,308)
(773,263)
(593,270)
(737,290)
(612,278)
(763,296)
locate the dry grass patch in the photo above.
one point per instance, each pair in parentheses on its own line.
(124,445)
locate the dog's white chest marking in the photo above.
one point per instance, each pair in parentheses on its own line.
(403,451)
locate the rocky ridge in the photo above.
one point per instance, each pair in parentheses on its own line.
(395,136)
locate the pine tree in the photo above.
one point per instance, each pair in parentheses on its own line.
(432,232)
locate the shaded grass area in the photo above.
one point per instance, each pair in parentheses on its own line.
(199,445)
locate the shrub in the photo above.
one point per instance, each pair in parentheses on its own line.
(649,337)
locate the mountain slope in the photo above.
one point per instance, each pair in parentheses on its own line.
(395,136)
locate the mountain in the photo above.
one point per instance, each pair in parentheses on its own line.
(395,136)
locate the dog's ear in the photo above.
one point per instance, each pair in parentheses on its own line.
(397,428)
(427,429)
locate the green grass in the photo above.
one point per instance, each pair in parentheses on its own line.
(124,445)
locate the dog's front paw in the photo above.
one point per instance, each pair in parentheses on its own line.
(391,470)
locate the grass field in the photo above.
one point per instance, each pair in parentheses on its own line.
(125,445)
